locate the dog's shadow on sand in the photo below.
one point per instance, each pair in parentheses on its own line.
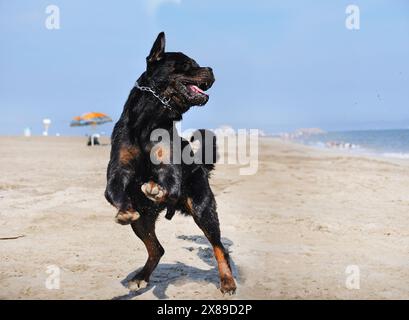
(179,273)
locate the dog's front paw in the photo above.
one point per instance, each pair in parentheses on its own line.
(126,217)
(153,191)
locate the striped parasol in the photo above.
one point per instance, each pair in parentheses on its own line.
(90,119)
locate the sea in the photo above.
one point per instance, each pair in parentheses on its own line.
(388,143)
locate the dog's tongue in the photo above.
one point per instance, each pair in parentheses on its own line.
(196,89)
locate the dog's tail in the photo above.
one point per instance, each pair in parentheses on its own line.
(206,153)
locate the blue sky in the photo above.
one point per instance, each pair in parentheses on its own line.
(279,65)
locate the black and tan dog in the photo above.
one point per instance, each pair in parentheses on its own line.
(141,188)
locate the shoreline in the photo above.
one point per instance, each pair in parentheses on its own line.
(388,156)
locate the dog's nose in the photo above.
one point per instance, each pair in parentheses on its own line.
(210,71)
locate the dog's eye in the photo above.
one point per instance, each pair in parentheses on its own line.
(186,66)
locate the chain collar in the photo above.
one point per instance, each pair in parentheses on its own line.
(165,102)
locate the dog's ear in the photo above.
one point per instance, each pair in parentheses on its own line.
(158,49)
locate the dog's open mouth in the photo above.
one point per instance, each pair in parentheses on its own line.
(194,91)
(197,89)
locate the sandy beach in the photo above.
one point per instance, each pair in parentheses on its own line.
(292,229)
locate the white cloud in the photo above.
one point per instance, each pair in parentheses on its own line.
(154,5)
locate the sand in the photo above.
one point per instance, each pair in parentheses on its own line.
(292,229)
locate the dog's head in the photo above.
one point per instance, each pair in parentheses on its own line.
(177,77)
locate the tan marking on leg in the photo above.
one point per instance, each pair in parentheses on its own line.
(189,205)
(128,153)
(161,154)
(228,284)
(221,261)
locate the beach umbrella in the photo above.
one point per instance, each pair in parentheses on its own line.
(90,119)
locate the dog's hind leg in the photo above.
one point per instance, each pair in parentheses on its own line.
(203,209)
(144,228)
